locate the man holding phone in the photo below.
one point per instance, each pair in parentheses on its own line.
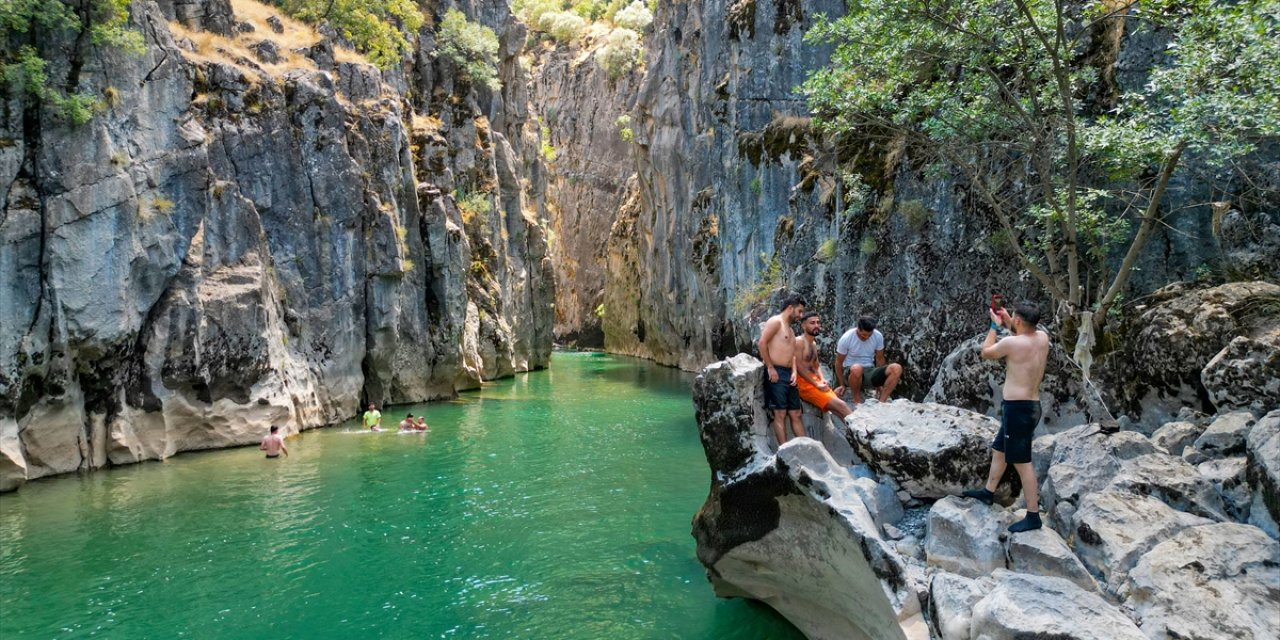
(1025,354)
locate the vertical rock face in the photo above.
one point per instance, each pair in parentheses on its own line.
(241,241)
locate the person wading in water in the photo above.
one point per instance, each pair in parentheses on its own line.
(778,350)
(1024,354)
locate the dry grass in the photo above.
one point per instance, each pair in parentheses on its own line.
(235,49)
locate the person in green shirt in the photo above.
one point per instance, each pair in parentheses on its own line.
(373,418)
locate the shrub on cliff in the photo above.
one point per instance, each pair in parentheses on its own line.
(635,16)
(376,27)
(472,47)
(564,26)
(620,54)
(24,70)
(1021,99)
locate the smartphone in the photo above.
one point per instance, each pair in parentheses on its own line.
(996,302)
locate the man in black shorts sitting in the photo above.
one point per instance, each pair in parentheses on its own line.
(778,351)
(1024,353)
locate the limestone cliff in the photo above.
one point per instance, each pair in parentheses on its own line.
(735,195)
(260,227)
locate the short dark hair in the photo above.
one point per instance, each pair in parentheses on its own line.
(867,323)
(809,314)
(274,428)
(1029,312)
(410,415)
(793,300)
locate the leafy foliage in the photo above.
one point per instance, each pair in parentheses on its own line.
(1012,95)
(621,53)
(473,47)
(376,27)
(23,70)
(564,26)
(636,16)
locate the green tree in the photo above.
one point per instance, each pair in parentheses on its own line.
(377,27)
(473,47)
(1014,98)
(24,71)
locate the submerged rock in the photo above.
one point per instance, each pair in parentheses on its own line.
(1211,581)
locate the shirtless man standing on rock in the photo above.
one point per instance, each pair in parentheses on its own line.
(1024,353)
(778,351)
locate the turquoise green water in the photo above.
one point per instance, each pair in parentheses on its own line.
(553,505)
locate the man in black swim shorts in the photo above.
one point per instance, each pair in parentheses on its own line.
(778,351)
(1024,353)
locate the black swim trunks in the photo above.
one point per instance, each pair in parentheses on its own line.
(271,456)
(781,395)
(1017,425)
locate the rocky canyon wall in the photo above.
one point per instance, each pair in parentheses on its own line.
(734,196)
(259,227)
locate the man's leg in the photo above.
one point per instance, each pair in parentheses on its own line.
(838,407)
(779,431)
(893,375)
(797,423)
(1029,489)
(855,382)
(986,494)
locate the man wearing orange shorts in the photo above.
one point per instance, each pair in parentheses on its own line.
(812,385)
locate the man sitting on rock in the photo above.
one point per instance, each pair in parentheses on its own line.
(1024,353)
(860,361)
(778,351)
(812,385)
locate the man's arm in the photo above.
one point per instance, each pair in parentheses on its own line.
(880,358)
(770,328)
(992,349)
(284,448)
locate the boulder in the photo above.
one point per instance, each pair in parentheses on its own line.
(1226,435)
(1112,529)
(1043,552)
(1262,452)
(1085,459)
(1230,480)
(1245,374)
(951,600)
(1173,481)
(931,450)
(791,529)
(13,465)
(964,537)
(1173,437)
(1211,581)
(1025,606)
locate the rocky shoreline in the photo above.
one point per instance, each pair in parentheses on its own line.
(1168,536)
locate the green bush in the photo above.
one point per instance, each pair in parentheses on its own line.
(472,47)
(620,54)
(827,250)
(636,16)
(376,27)
(564,26)
(531,11)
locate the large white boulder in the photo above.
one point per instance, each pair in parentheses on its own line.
(1022,606)
(1085,460)
(951,600)
(1226,435)
(1229,478)
(791,529)
(964,537)
(1173,481)
(931,450)
(1263,454)
(1211,581)
(1173,437)
(1043,552)
(1112,529)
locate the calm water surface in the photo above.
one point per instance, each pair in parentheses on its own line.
(553,505)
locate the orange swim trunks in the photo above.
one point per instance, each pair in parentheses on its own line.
(812,395)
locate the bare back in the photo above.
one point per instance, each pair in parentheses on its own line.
(1025,356)
(781,341)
